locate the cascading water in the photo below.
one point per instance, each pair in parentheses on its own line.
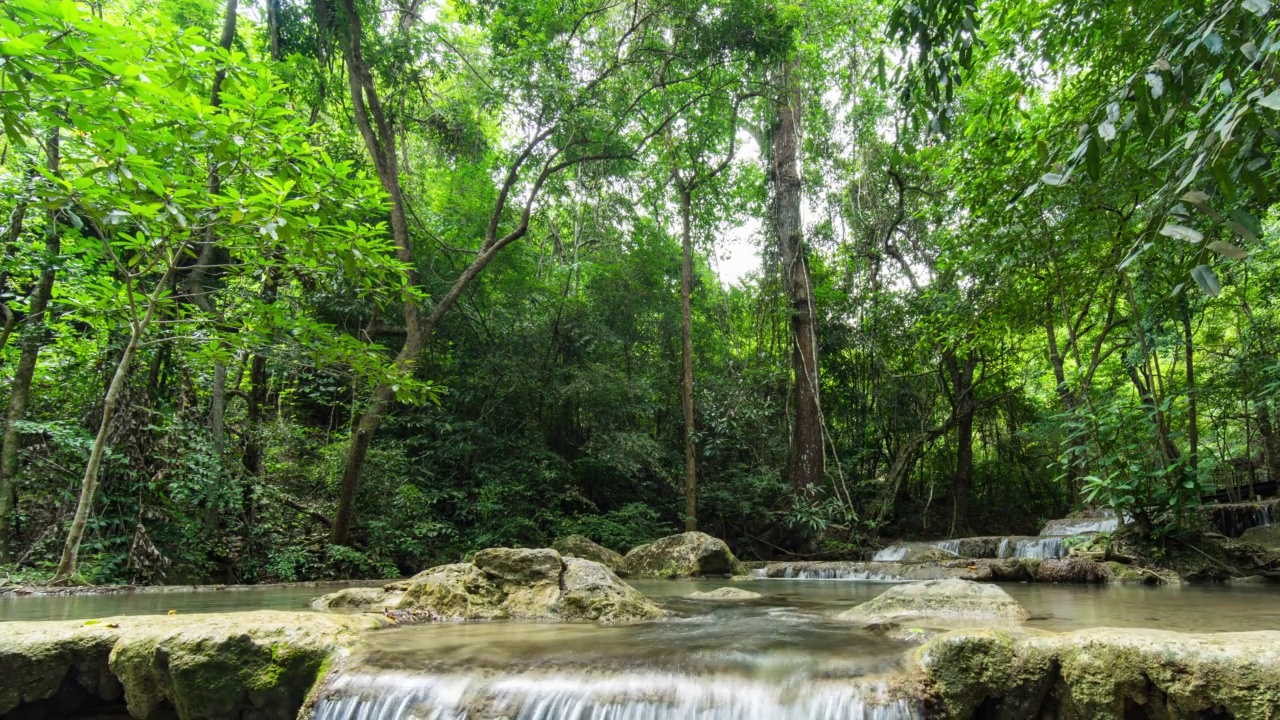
(1050,546)
(634,696)
(893,553)
(1232,519)
(834,571)
(1078,526)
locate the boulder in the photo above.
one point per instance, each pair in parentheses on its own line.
(359,599)
(690,554)
(1105,673)
(591,591)
(939,600)
(725,594)
(580,547)
(1264,536)
(501,583)
(230,665)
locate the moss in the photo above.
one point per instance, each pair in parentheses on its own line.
(1109,674)
(690,554)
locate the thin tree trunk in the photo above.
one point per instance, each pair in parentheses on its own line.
(1193,430)
(686,357)
(12,232)
(1064,395)
(381,144)
(32,340)
(89,484)
(961,372)
(1270,441)
(806,464)
(198,292)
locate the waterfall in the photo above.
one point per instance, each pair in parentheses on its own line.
(1048,546)
(949,546)
(1076,526)
(834,571)
(638,696)
(893,553)
(1232,519)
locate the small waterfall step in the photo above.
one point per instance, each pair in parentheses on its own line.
(1232,519)
(632,696)
(997,547)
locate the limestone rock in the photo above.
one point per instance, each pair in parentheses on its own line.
(1105,673)
(591,591)
(944,600)
(359,599)
(1265,536)
(690,554)
(503,583)
(460,591)
(231,665)
(580,547)
(725,594)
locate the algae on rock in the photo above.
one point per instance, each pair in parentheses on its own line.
(939,600)
(690,554)
(255,664)
(581,547)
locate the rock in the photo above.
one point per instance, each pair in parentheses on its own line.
(359,599)
(913,553)
(984,570)
(232,665)
(1265,536)
(520,566)
(578,546)
(944,600)
(1249,580)
(1088,570)
(460,591)
(1106,673)
(690,554)
(725,594)
(503,583)
(591,591)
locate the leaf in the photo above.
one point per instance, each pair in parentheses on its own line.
(1257,7)
(1053,179)
(1107,130)
(1177,290)
(1272,101)
(1129,260)
(1213,42)
(1245,225)
(1182,232)
(1226,249)
(1197,198)
(1207,279)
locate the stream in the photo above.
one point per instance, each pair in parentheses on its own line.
(777,657)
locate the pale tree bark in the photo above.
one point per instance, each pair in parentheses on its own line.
(1193,429)
(960,370)
(686,364)
(12,231)
(198,292)
(138,324)
(806,464)
(32,340)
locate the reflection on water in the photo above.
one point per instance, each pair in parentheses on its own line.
(159,601)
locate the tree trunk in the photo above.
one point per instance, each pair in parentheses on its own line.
(961,372)
(1064,395)
(805,466)
(1193,430)
(380,142)
(89,484)
(32,340)
(686,357)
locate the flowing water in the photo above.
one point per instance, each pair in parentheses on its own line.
(779,657)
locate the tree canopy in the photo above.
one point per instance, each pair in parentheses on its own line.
(326,288)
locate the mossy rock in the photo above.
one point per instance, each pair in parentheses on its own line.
(1266,537)
(360,599)
(938,601)
(690,554)
(508,583)
(581,547)
(1105,673)
(725,594)
(231,665)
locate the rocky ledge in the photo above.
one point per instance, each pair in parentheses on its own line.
(1102,674)
(1052,570)
(233,665)
(501,583)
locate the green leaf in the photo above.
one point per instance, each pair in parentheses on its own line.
(1226,249)
(1257,7)
(1207,279)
